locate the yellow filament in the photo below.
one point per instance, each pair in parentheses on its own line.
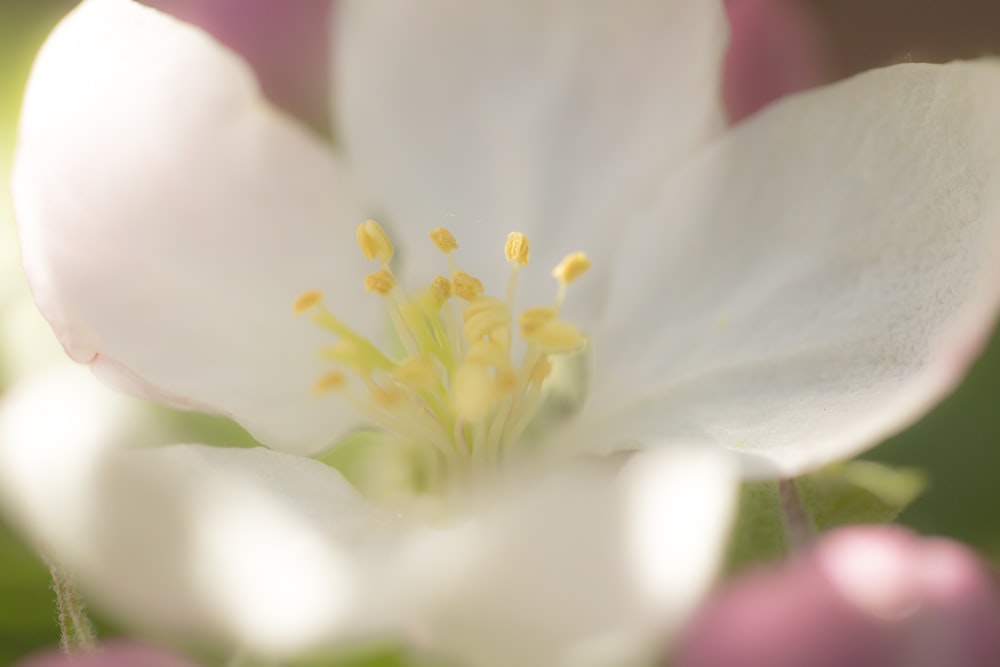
(305,301)
(381,282)
(487,353)
(472,392)
(416,372)
(517,249)
(572,267)
(374,242)
(483,315)
(443,239)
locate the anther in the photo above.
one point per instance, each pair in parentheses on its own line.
(531,319)
(572,267)
(305,301)
(382,281)
(465,286)
(374,242)
(557,336)
(440,290)
(517,249)
(541,371)
(443,239)
(329,382)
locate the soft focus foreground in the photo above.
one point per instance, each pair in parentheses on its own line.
(944,514)
(862,596)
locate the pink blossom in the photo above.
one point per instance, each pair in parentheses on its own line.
(866,596)
(776,47)
(115,654)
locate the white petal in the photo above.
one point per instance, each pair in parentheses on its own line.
(550,117)
(268,550)
(169,217)
(588,568)
(817,279)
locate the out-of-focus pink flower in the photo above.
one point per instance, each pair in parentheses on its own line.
(286,43)
(872,596)
(116,654)
(776,47)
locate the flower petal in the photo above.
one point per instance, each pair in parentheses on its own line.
(815,280)
(268,550)
(552,117)
(587,568)
(169,217)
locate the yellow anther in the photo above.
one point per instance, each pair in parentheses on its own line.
(557,336)
(443,239)
(305,301)
(483,315)
(374,242)
(517,249)
(472,392)
(440,291)
(382,281)
(387,397)
(541,371)
(533,318)
(329,382)
(416,372)
(506,381)
(465,286)
(572,267)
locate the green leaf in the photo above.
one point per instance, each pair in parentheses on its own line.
(845,493)
(758,535)
(859,492)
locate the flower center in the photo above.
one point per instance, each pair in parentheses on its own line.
(459,395)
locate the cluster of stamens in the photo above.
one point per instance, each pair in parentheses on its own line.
(455,387)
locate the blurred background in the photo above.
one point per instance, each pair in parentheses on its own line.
(958,445)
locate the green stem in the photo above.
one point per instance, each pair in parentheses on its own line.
(799,530)
(76,632)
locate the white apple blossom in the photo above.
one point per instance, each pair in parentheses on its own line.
(774,297)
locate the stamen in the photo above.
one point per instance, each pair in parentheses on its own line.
(416,372)
(374,242)
(382,282)
(517,249)
(572,267)
(440,291)
(443,239)
(533,318)
(465,286)
(454,394)
(484,315)
(557,336)
(329,382)
(472,392)
(305,301)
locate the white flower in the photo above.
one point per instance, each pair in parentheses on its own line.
(789,291)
